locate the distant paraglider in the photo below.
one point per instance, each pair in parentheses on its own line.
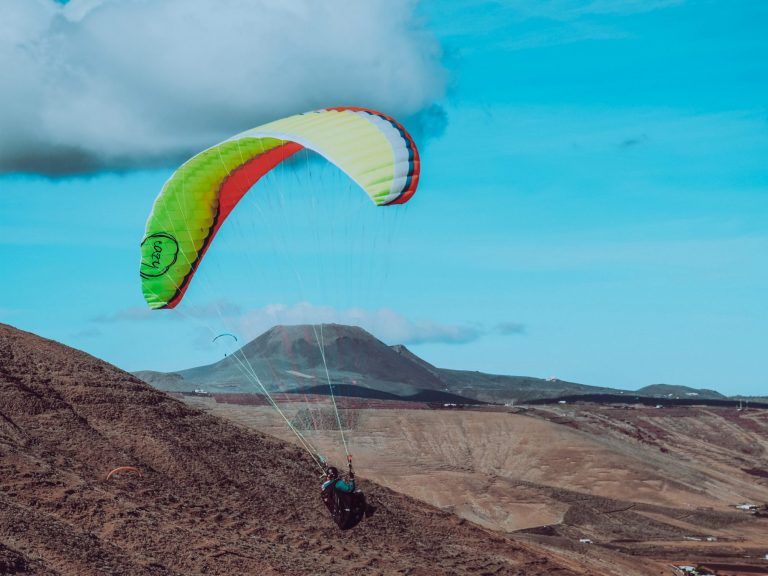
(121,469)
(223,335)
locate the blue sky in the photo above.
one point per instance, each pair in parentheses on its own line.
(593,206)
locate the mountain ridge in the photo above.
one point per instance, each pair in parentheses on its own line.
(286,358)
(677,391)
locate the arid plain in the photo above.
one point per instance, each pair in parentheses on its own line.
(637,487)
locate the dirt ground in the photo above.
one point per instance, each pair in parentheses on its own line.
(644,483)
(214,497)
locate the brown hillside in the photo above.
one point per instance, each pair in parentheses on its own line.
(214,499)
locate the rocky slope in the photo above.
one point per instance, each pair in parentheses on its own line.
(214,498)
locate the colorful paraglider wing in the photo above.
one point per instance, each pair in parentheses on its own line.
(124,469)
(373,149)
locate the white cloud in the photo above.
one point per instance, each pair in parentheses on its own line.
(387,325)
(214,309)
(133,314)
(116,83)
(508,328)
(90,332)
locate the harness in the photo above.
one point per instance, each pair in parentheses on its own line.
(346,508)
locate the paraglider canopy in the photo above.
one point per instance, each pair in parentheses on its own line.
(371,148)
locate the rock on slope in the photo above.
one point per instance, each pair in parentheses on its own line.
(214,498)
